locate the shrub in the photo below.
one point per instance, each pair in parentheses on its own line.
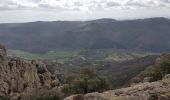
(88,82)
(4,98)
(156,72)
(43,94)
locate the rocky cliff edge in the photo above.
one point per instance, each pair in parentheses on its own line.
(19,76)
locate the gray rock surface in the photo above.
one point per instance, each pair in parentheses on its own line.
(22,76)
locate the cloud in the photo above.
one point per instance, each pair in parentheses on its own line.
(166,1)
(81,5)
(17,4)
(113,4)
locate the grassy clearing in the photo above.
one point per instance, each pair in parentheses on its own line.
(89,55)
(49,55)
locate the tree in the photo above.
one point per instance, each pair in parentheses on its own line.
(88,82)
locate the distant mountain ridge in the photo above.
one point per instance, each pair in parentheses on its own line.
(152,34)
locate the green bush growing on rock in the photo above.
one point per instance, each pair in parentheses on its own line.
(4,98)
(43,94)
(156,71)
(88,82)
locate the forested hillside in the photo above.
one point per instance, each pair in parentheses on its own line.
(143,34)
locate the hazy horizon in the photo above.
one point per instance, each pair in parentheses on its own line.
(17,11)
(83,20)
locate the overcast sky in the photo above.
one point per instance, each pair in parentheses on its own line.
(52,10)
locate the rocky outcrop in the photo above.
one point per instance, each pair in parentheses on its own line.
(159,90)
(56,69)
(22,76)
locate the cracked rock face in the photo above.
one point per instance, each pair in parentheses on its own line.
(22,76)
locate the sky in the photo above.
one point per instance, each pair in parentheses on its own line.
(13,11)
